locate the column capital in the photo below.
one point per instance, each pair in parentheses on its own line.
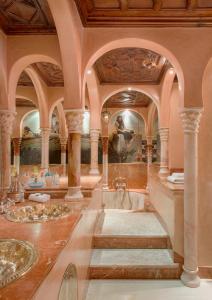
(6,121)
(94,134)
(63,140)
(45,130)
(63,143)
(149,139)
(191,119)
(164,134)
(74,119)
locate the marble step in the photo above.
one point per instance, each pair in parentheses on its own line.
(133,264)
(130,242)
(124,229)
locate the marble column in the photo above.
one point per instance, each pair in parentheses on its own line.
(6,125)
(149,159)
(149,150)
(105,162)
(17,149)
(191,119)
(45,133)
(94,138)
(164,137)
(63,145)
(74,123)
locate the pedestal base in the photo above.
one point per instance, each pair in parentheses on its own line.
(94,172)
(164,172)
(190,278)
(105,187)
(74,193)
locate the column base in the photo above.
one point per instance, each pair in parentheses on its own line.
(164,172)
(74,193)
(105,186)
(94,172)
(190,278)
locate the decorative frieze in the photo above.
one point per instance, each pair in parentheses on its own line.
(6,122)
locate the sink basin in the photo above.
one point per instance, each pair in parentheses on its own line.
(38,213)
(16,259)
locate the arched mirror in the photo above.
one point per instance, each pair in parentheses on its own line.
(69,288)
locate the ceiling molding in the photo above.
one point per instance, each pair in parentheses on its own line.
(148,13)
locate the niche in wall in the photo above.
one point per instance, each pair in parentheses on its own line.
(126,137)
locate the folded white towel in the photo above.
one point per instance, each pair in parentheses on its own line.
(175,180)
(38,197)
(177,175)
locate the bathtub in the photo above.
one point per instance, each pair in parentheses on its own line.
(128,200)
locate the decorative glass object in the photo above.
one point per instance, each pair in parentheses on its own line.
(16,191)
(38,213)
(49,179)
(69,287)
(16,259)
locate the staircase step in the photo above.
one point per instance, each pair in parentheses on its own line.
(133,264)
(131,224)
(130,242)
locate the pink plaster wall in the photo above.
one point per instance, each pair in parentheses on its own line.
(205,173)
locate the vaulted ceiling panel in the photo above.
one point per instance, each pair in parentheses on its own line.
(51,74)
(131,65)
(26,16)
(128,99)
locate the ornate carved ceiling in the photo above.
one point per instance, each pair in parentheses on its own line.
(131,65)
(128,99)
(145,13)
(26,16)
(51,74)
(20,102)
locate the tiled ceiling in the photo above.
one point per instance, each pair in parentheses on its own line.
(131,65)
(128,99)
(26,16)
(145,12)
(51,74)
(20,102)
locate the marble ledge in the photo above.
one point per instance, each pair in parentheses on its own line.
(48,239)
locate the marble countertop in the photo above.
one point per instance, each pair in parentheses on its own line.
(49,238)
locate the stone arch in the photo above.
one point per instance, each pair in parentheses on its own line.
(151,116)
(61,115)
(18,67)
(41,95)
(137,43)
(166,91)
